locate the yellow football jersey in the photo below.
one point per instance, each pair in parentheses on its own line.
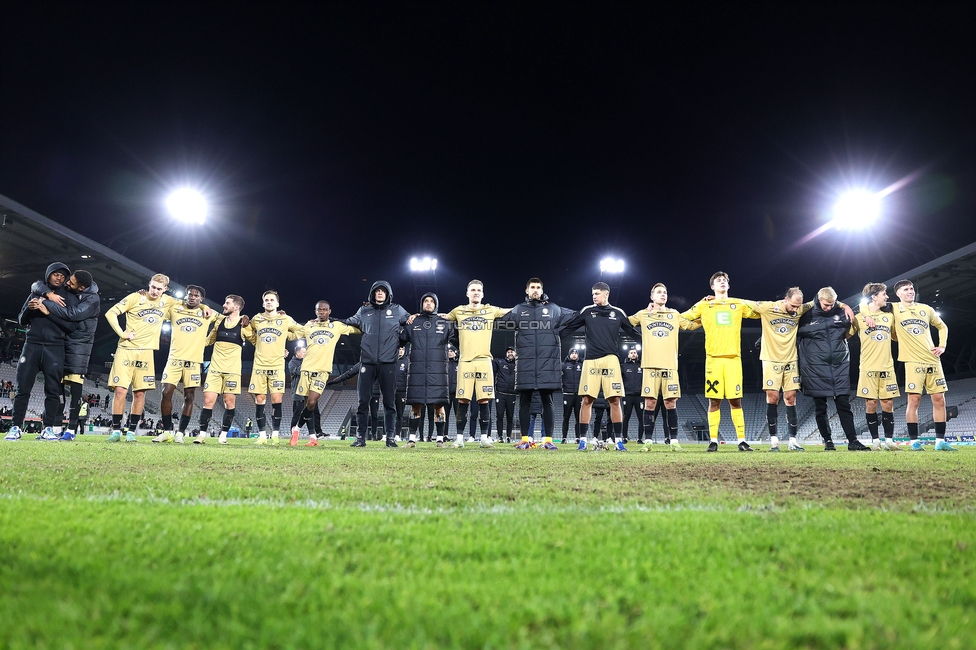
(913,329)
(321,338)
(143,317)
(270,333)
(190,330)
(875,341)
(659,336)
(722,320)
(778,330)
(228,343)
(474,329)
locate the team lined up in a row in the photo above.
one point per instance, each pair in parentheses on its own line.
(819,359)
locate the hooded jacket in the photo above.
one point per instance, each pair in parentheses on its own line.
(452,370)
(633,376)
(380,324)
(428,379)
(572,371)
(48,329)
(538,325)
(504,371)
(78,347)
(824,358)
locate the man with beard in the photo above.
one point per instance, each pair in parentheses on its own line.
(537,322)
(379,319)
(78,345)
(224,372)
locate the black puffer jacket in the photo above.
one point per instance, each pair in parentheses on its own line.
(537,325)
(380,324)
(452,370)
(572,371)
(402,369)
(78,347)
(428,381)
(44,329)
(633,376)
(504,371)
(825,361)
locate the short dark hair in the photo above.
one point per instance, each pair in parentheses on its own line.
(236,299)
(601,286)
(273,293)
(716,275)
(532,281)
(903,283)
(191,287)
(323,301)
(83,278)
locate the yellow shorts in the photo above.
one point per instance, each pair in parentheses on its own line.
(223,383)
(723,378)
(133,367)
(74,379)
(602,373)
(314,381)
(924,377)
(660,381)
(877,384)
(178,370)
(777,374)
(265,380)
(475,380)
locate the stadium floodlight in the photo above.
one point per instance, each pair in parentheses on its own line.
(178,294)
(611,265)
(187,205)
(423,265)
(856,210)
(166,327)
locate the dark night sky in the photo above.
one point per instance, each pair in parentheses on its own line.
(507,141)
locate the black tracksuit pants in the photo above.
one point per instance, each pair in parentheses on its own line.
(385,373)
(46,359)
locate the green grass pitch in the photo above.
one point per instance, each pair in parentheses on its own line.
(167,546)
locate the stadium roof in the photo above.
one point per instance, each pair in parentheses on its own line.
(30,241)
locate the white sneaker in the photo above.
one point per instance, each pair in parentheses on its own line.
(262,439)
(458,442)
(275,437)
(891,445)
(165,436)
(179,437)
(876,445)
(486,443)
(201,438)
(222,439)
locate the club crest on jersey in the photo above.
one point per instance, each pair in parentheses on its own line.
(613,315)
(670,315)
(732,306)
(389,312)
(484,311)
(545,312)
(278,322)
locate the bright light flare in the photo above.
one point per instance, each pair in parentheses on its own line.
(187,205)
(425,264)
(611,265)
(856,210)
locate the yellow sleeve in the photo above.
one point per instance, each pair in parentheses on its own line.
(685,324)
(112,315)
(349,329)
(748,310)
(249,333)
(940,325)
(694,313)
(212,336)
(804,308)
(294,330)
(635,319)
(452,315)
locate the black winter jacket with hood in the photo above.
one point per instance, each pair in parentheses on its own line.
(428,379)
(538,325)
(572,371)
(633,376)
(48,329)
(78,347)
(380,324)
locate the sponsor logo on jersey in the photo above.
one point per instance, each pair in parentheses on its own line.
(891,387)
(672,388)
(616,386)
